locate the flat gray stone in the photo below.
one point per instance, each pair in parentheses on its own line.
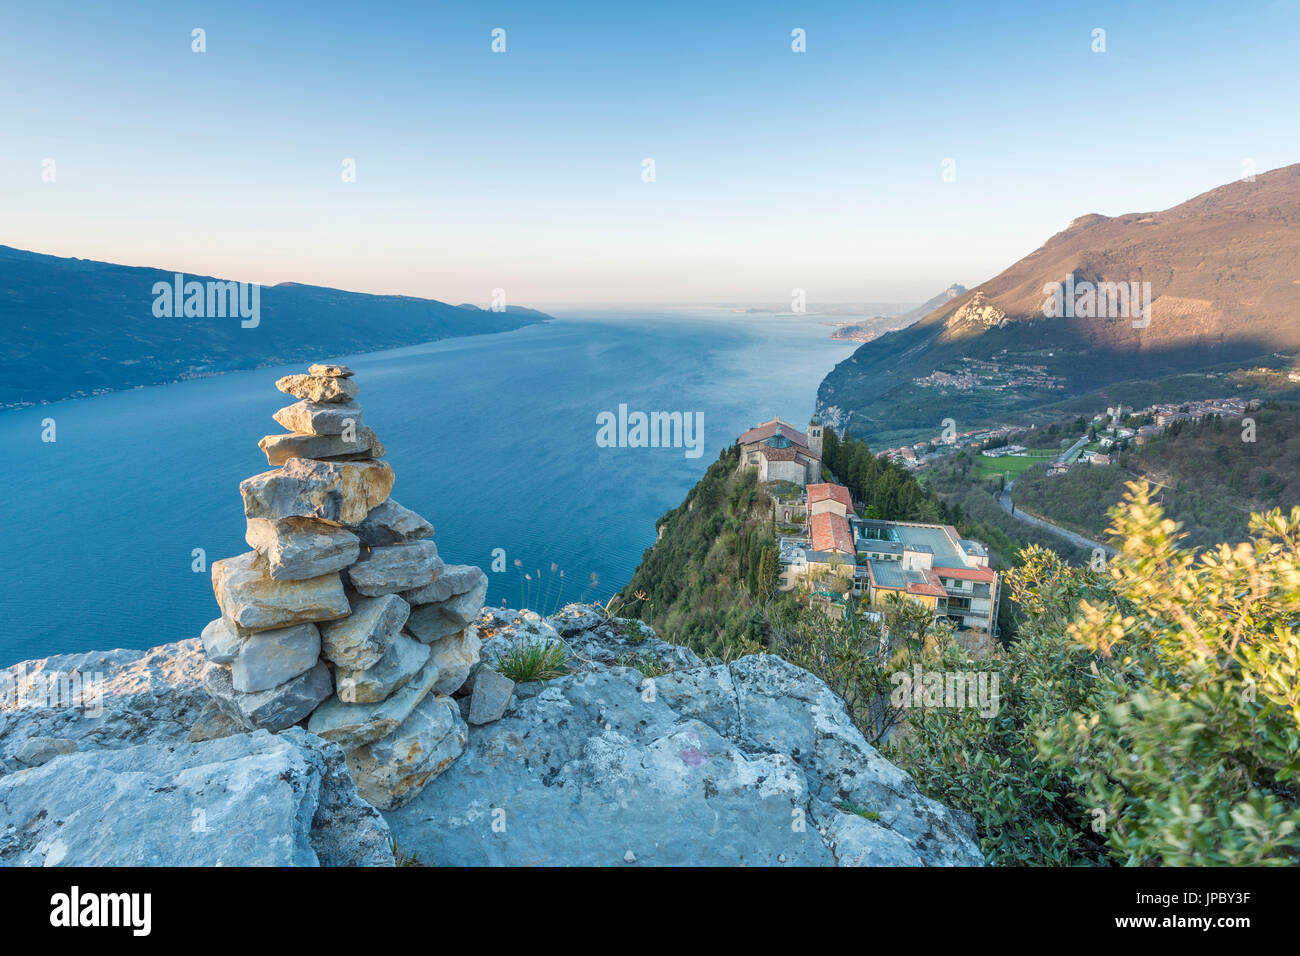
(402,661)
(280,448)
(466,607)
(360,640)
(429,623)
(391,523)
(274,709)
(251,600)
(456,656)
(221,642)
(319,418)
(297,549)
(394,568)
(491,696)
(452,581)
(340,492)
(391,771)
(269,658)
(354,725)
(432,622)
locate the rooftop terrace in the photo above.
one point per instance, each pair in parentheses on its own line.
(949,550)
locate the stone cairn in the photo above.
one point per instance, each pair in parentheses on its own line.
(343,615)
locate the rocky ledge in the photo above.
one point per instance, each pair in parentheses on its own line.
(121,759)
(641,754)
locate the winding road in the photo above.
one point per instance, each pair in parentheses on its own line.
(1004,500)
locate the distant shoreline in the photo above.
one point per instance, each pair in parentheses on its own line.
(306,355)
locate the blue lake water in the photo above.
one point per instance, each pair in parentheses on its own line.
(492,438)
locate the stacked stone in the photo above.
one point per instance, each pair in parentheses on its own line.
(343,614)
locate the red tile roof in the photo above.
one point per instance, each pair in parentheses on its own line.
(766,431)
(932,588)
(778,454)
(829,492)
(830,532)
(968,574)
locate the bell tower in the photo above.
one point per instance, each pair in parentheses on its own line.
(815,435)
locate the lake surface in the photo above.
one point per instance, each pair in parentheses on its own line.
(492,438)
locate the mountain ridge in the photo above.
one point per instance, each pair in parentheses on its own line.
(1220,267)
(74,327)
(871,328)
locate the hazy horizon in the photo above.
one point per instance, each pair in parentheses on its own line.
(774,170)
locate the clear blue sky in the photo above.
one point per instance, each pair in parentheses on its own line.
(522,170)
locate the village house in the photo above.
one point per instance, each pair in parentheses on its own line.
(831,552)
(824,498)
(1006,450)
(793,554)
(930,564)
(831,534)
(781,452)
(828,550)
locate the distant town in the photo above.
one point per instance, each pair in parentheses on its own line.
(1116,426)
(846,560)
(990,375)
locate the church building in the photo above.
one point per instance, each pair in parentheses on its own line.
(781,452)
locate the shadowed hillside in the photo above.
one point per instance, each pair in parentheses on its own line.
(1224,274)
(75,326)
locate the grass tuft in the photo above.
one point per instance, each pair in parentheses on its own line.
(401,859)
(648,666)
(863,812)
(533,661)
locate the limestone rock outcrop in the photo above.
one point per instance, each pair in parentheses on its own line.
(644,753)
(103,762)
(317,621)
(639,754)
(243,800)
(104,699)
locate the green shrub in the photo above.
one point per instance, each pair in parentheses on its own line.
(1149,713)
(1187,750)
(1025,809)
